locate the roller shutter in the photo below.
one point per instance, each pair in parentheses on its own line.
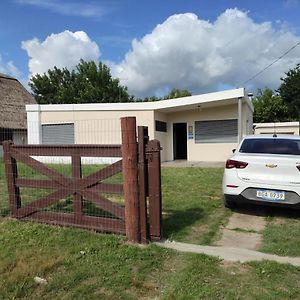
(219,131)
(58,134)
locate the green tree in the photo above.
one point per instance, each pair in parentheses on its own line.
(176,93)
(290,92)
(269,107)
(87,83)
(150,99)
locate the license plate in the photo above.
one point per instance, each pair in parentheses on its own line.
(270,195)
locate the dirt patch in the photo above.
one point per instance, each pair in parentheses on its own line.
(154,285)
(234,268)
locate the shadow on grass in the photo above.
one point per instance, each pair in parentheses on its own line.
(267,211)
(4,212)
(175,221)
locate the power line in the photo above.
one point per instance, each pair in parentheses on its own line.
(271,64)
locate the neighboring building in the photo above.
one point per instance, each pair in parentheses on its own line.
(13,98)
(197,128)
(277,127)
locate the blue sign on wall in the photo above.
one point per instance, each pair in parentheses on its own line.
(190,133)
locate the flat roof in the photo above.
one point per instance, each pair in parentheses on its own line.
(178,104)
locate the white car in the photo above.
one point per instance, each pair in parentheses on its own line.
(264,169)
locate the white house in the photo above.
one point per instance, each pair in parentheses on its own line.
(197,128)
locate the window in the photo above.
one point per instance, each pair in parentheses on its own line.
(58,134)
(271,146)
(219,131)
(160,126)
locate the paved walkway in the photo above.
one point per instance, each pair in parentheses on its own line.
(238,242)
(230,253)
(243,231)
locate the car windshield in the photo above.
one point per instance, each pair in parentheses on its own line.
(271,146)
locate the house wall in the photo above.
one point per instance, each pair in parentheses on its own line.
(247,120)
(103,126)
(165,138)
(100,127)
(279,128)
(90,127)
(202,152)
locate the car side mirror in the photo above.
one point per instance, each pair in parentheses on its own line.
(233,150)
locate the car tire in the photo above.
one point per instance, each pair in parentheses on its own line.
(229,203)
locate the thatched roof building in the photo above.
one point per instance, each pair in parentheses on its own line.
(13,98)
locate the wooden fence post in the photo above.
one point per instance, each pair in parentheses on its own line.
(142,141)
(11,172)
(154,180)
(130,177)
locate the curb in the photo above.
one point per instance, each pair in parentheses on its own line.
(229,253)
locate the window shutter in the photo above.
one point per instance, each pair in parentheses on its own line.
(219,131)
(58,134)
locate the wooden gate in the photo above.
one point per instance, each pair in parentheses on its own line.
(140,164)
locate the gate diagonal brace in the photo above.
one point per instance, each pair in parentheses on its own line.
(68,186)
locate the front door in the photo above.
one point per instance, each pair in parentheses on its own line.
(180,140)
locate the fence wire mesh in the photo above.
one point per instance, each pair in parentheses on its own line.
(69,174)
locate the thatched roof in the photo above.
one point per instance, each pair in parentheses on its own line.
(13,98)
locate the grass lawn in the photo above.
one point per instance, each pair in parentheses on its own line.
(282,234)
(192,204)
(79,264)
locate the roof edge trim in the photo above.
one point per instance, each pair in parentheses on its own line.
(157,105)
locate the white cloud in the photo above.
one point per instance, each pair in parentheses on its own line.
(291,3)
(9,68)
(68,8)
(187,52)
(182,52)
(64,49)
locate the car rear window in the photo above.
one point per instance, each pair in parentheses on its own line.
(271,146)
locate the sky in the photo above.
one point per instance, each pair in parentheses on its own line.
(154,46)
